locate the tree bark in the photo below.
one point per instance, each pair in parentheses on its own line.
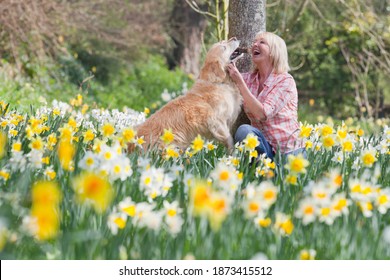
(246,19)
(186,30)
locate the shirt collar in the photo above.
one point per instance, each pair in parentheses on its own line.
(268,82)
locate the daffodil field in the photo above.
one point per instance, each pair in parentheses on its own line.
(70,190)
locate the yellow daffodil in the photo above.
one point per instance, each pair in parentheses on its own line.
(197,144)
(307,254)
(3,143)
(200,196)
(167,136)
(66,152)
(88,136)
(305,131)
(4,174)
(297,164)
(129,134)
(251,142)
(368,157)
(283,224)
(107,130)
(46,193)
(47,221)
(93,189)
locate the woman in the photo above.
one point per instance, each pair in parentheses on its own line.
(270,98)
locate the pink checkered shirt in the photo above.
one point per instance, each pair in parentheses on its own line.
(280,100)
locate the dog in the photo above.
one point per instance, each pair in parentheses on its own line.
(209,108)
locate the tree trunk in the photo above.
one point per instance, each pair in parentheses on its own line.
(186,30)
(246,19)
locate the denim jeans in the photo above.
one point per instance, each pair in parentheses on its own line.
(296,152)
(263,148)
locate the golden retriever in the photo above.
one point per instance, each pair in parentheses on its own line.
(209,108)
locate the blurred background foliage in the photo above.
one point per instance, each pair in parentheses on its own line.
(137,49)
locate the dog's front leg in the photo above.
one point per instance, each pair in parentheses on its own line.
(220,131)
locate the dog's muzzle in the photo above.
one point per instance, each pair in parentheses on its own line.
(238,53)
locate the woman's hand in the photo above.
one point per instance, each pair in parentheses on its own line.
(234,74)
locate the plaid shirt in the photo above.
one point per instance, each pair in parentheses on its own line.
(279,98)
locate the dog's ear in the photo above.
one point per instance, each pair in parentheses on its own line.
(213,72)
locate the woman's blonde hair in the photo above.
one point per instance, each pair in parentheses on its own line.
(278,51)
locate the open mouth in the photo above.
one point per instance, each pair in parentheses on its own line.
(256,52)
(237,54)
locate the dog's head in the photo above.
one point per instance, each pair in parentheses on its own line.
(217,58)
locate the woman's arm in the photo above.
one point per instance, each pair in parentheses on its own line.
(253,105)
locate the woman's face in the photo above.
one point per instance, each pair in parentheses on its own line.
(260,51)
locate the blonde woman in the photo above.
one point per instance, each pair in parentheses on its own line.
(270,98)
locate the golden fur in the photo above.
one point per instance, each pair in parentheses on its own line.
(209,108)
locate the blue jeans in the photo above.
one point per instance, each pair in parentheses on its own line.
(263,148)
(297,151)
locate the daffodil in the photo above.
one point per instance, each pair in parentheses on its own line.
(366,207)
(140,141)
(167,136)
(46,221)
(89,162)
(210,146)
(326,130)
(93,189)
(107,130)
(89,135)
(172,209)
(292,179)
(3,143)
(262,221)
(200,195)
(4,174)
(116,221)
(268,192)
(226,177)
(45,212)
(283,224)
(66,151)
(305,131)
(66,133)
(254,206)
(197,144)
(368,157)
(36,144)
(251,142)
(297,164)
(326,213)
(51,141)
(46,193)
(347,145)
(307,254)
(328,141)
(340,204)
(307,211)
(219,207)
(129,134)
(382,201)
(50,174)
(17,146)
(171,152)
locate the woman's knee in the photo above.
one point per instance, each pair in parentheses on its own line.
(242,132)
